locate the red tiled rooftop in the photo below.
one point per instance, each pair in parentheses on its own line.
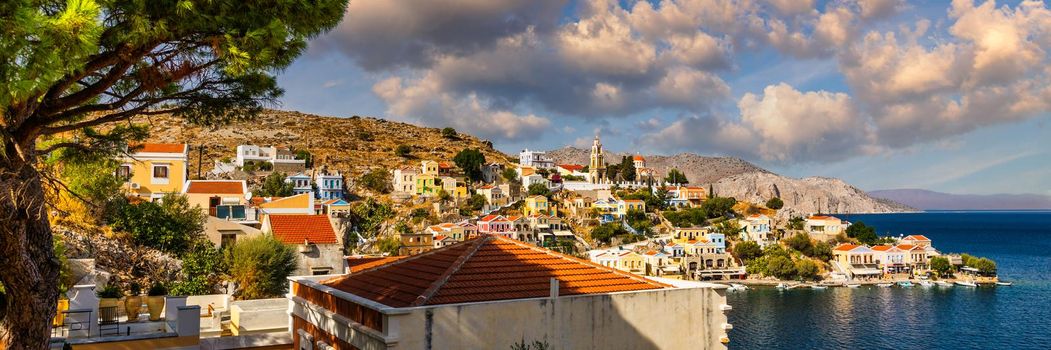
(358,264)
(821,217)
(160,148)
(486,268)
(907,247)
(846,247)
(297,228)
(881,248)
(571,167)
(637,157)
(215,187)
(917,237)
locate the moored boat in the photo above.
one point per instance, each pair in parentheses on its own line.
(818,287)
(905,284)
(943,284)
(738,287)
(926,284)
(1004,283)
(782,286)
(853,285)
(966,283)
(885,285)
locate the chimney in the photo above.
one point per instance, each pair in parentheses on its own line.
(554,288)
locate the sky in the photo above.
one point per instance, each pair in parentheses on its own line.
(950,96)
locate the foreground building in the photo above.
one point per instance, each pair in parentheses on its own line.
(320,250)
(154,169)
(492,293)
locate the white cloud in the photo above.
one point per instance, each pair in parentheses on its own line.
(792,7)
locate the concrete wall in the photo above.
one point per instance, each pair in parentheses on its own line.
(684,318)
(322,255)
(258,316)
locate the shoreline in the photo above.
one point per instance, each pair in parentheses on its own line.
(771,283)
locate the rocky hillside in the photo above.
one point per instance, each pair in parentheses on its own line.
(698,169)
(803,196)
(351,145)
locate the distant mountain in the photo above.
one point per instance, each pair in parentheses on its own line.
(733,177)
(931,200)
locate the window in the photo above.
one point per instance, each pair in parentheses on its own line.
(124,171)
(228,239)
(160,172)
(319,271)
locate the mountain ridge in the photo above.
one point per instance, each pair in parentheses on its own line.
(934,200)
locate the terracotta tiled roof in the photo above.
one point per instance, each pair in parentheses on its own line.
(821,217)
(907,247)
(917,237)
(297,228)
(358,264)
(215,187)
(486,268)
(637,157)
(492,217)
(160,148)
(571,167)
(846,247)
(439,237)
(881,248)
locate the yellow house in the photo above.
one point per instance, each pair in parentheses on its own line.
(429,167)
(455,187)
(225,199)
(685,235)
(631,261)
(155,169)
(626,205)
(538,205)
(427,184)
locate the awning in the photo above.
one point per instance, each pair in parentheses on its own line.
(865,271)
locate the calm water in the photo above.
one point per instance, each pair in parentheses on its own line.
(1016,317)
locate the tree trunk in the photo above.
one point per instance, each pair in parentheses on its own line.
(28,266)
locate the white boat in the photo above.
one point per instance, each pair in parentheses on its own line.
(852,285)
(1004,283)
(818,287)
(966,283)
(885,285)
(943,284)
(782,286)
(737,287)
(926,284)
(905,284)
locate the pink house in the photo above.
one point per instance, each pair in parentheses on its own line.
(496,225)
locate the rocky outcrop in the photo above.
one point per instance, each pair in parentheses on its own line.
(698,169)
(119,259)
(803,196)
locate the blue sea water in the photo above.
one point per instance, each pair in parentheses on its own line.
(1015,317)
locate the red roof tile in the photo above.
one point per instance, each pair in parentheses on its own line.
(846,247)
(486,268)
(571,167)
(297,228)
(358,264)
(917,237)
(637,157)
(160,148)
(215,187)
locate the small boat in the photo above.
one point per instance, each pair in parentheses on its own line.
(818,287)
(853,285)
(782,286)
(966,284)
(926,284)
(885,285)
(905,284)
(943,284)
(1004,283)
(737,287)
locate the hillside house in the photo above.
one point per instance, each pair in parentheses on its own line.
(154,169)
(535,159)
(314,236)
(404,179)
(496,225)
(301,183)
(224,199)
(329,185)
(828,226)
(757,228)
(281,158)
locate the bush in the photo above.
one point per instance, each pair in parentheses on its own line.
(822,251)
(796,223)
(510,175)
(729,228)
(157,290)
(308,159)
(477,202)
(941,266)
(604,233)
(449,133)
(781,267)
(261,266)
(719,206)
(863,233)
(202,269)
(687,217)
(801,243)
(389,245)
(775,203)
(377,180)
(806,269)
(747,251)
(170,225)
(111,291)
(403,151)
(275,186)
(539,189)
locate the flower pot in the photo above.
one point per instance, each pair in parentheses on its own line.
(108,309)
(132,307)
(156,305)
(60,317)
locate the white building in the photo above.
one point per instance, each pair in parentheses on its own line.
(300,183)
(405,179)
(329,186)
(535,159)
(281,158)
(756,228)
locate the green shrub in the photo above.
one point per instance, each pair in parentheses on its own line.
(403,151)
(170,225)
(202,269)
(781,267)
(157,290)
(389,245)
(747,251)
(260,266)
(111,291)
(449,133)
(275,186)
(801,242)
(806,269)
(377,180)
(775,203)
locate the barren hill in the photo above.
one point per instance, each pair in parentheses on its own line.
(698,169)
(351,145)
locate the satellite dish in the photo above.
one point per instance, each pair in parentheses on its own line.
(248,196)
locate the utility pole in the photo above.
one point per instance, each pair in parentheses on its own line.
(200,160)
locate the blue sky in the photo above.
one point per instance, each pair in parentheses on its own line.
(882,93)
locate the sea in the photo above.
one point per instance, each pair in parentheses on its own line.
(1014,317)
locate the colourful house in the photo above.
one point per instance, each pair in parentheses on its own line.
(537,205)
(683,235)
(917,240)
(153,169)
(496,225)
(319,247)
(428,185)
(224,199)
(626,205)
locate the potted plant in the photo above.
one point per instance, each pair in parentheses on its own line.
(155,300)
(109,298)
(133,302)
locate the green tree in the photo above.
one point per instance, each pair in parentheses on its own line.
(627,169)
(941,266)
(368,216)
(510,175)
(403,151)
(308,159)
(477,202)
(170,225)
(822,251)
(68,67)
(470,162)
(676,177)
(539,189)
(719,206)
(203,267)
(775,203)
(806,269)
(863,233)
(801,242)
(449,133)
(659,199)
(796,223)
(389,245)
(377,180)
(781,267)
(985,266)
(275,186)
(729,228)
(604,233)
(260,266)
(747,251)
